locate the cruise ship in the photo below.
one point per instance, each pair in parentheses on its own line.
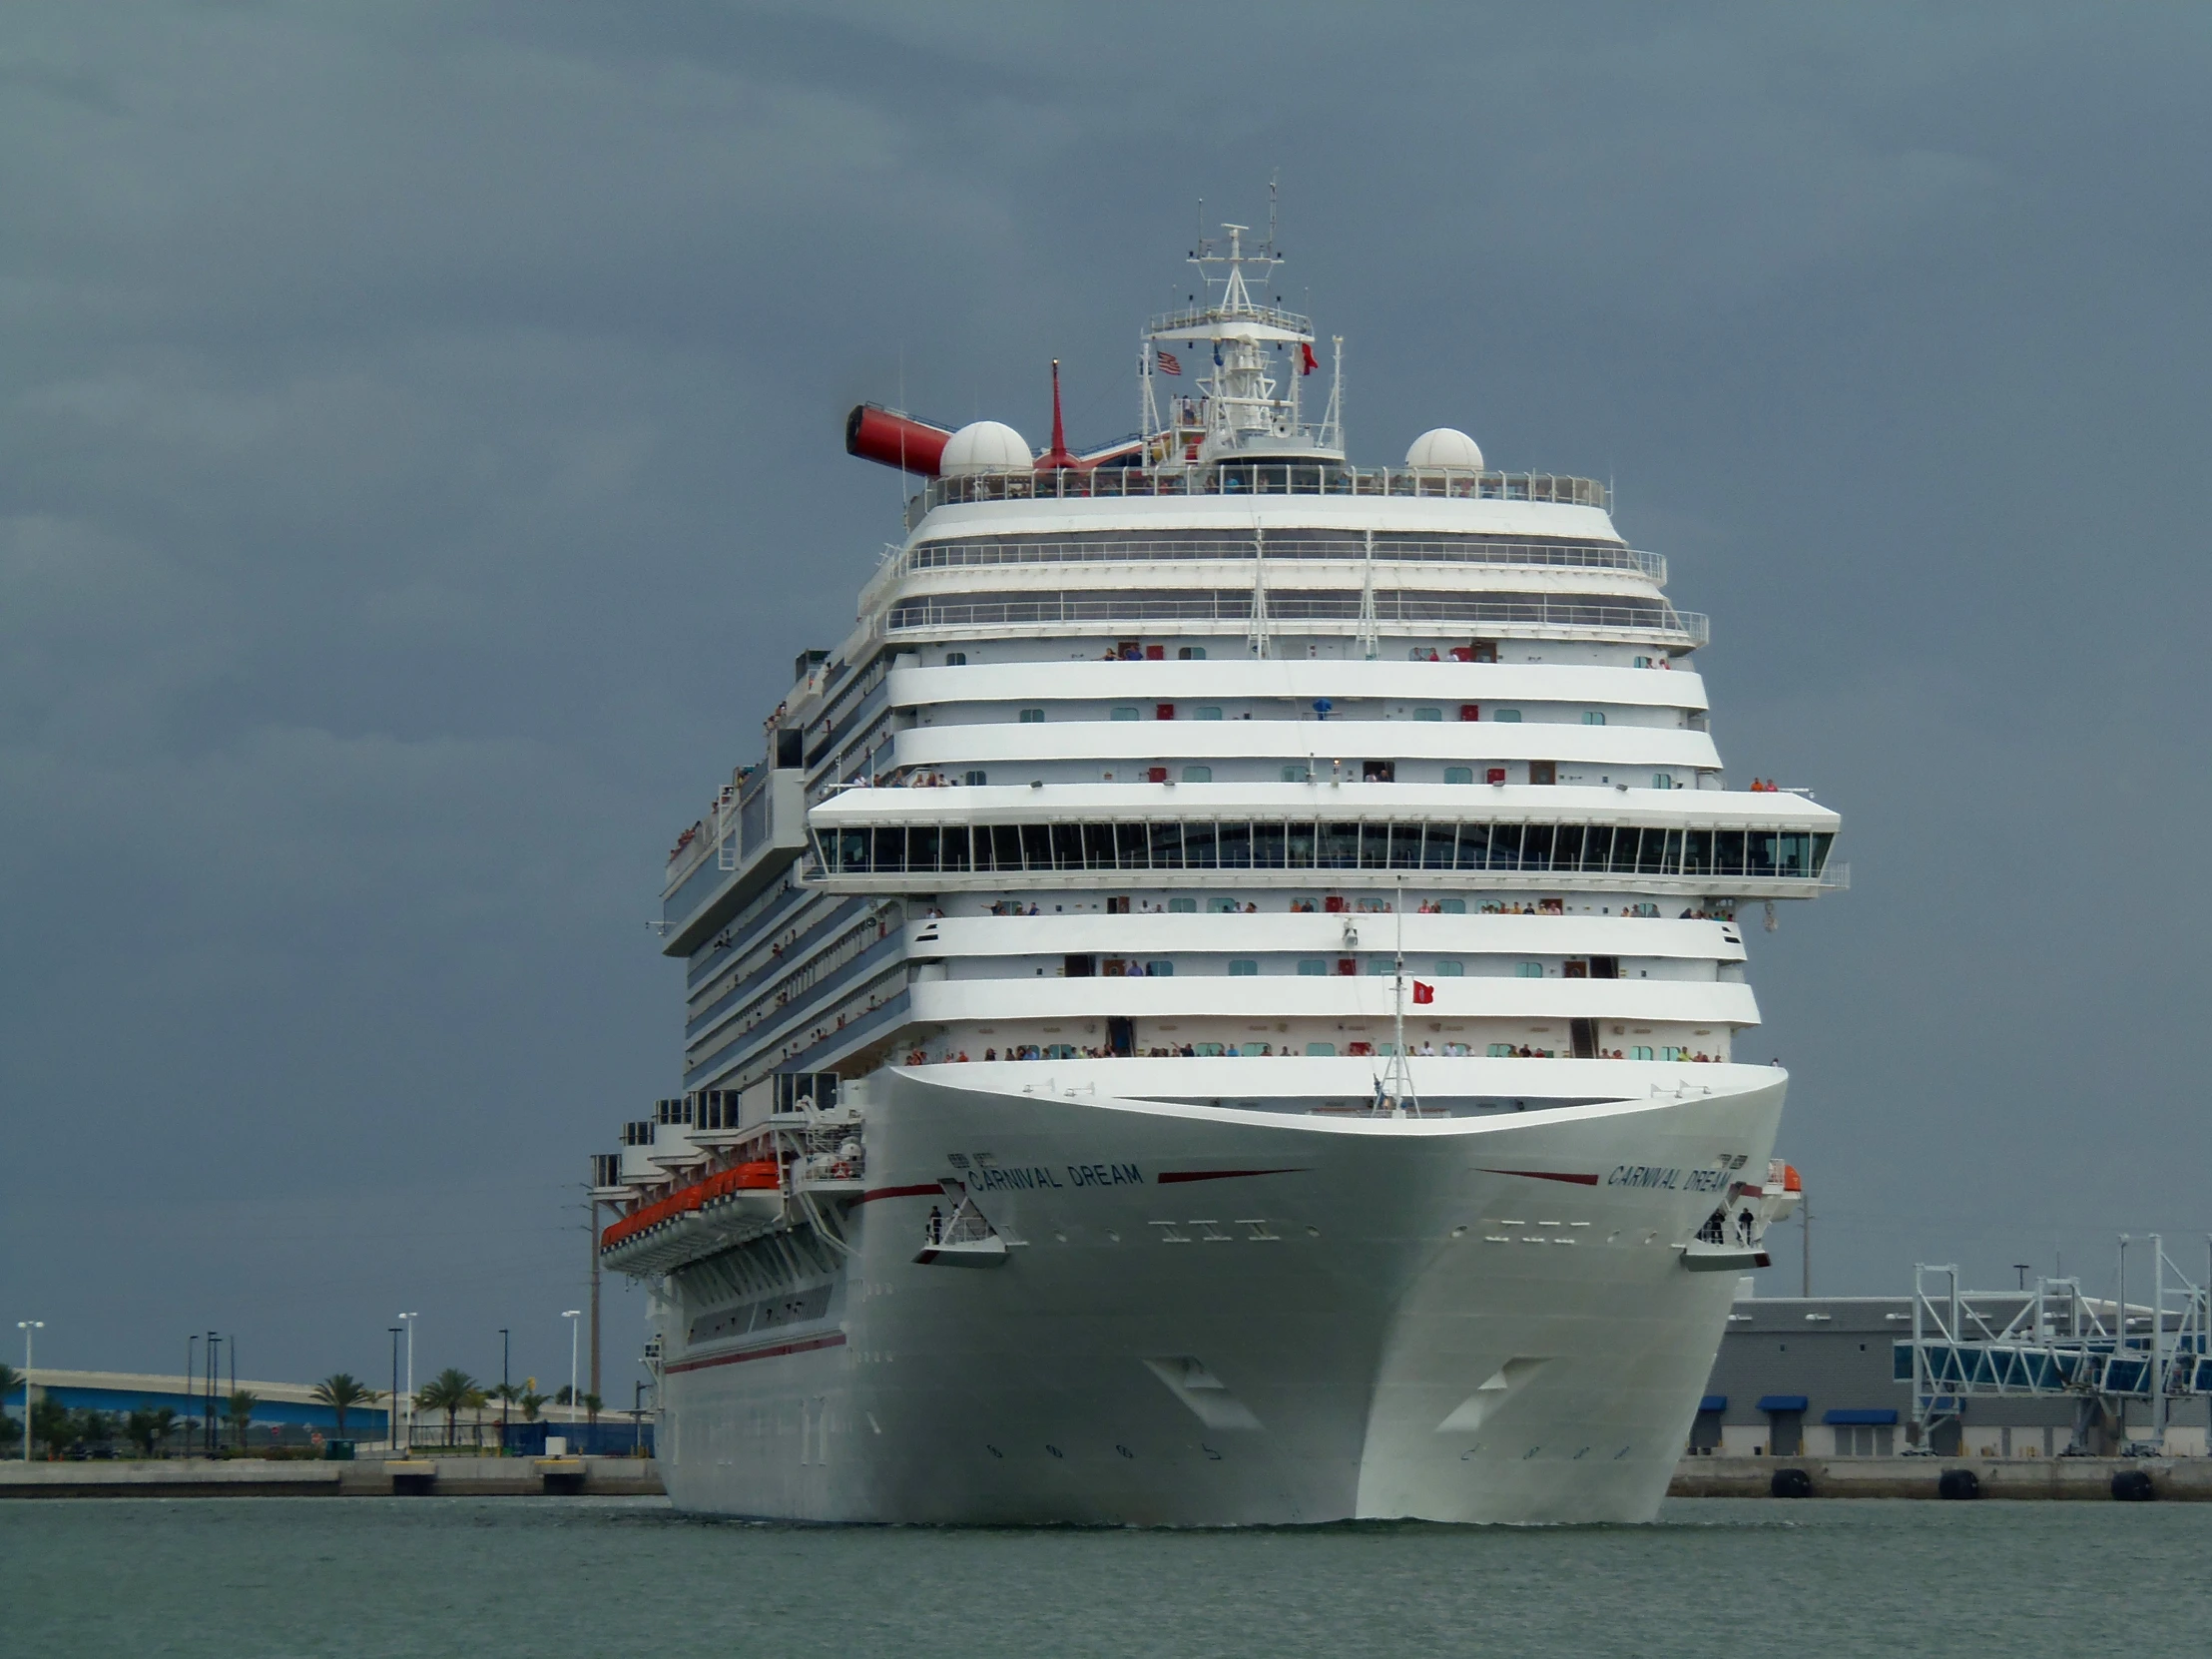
(1222,1000)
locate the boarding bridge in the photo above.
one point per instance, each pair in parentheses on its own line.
(2058,1340)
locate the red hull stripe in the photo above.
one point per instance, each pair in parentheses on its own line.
(836,1338)
(874,1193)
(1547,1175)
(1170,1177)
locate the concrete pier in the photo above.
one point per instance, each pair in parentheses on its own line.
(368,1477)
(2084,1479)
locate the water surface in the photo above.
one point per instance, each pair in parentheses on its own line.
(486,1578)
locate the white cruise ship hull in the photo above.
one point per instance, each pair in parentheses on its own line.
(1466,1320)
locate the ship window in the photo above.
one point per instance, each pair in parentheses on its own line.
(1452,906)
(1312,967)
(1321,1050)
(1067,846)
(1642,662)
(955,659)
(1198,774)
(1429,714)
(1543,772)
(853,849)
(1297,775)
(1405,845)
(1640,1053)
(1500,1051)
(1167,846)
(1374,846)
(921,849)
(1006,845)
(1529,971)
(1379,964)
(1242,968)
(1190,654)
(1209,711)
(1510,717)
(1223,906)
(1198,846)
(1234,844)
(1436,845)
(1662,781)
(1459,775)
(891,850)
(1266,847)
(1449,968)
(1593,717)
(1182,906)
(1032,717)
(953,854)
(1098,846)
(1129,843)
(1126,714)
(1378,771)
(1159,970)
(1339,846)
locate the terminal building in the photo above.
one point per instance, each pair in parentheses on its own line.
(1818,1377)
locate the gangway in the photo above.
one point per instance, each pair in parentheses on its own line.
(2056,1341)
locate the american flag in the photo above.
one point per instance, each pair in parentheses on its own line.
(1170,363)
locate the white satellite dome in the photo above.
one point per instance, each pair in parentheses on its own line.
(1445,449)
(984,446)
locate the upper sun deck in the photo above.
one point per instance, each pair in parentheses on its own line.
(1257,477)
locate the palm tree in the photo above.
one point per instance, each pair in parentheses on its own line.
(343,1390)
(593,1405)
(532,1402)
(53,1426)
(237,1411)
(146,1427)
(452,1392)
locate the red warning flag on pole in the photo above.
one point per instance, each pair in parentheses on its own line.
(1306,353)
(1423,993)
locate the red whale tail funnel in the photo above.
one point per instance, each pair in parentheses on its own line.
(877,434)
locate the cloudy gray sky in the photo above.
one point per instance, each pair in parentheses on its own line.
(419,458)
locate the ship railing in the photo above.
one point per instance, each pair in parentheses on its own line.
(1257,477)
(1658,622)
(1050,550)
(1205,317)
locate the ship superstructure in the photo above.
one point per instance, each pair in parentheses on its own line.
(1280,918)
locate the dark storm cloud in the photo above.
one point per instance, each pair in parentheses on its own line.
(422,462)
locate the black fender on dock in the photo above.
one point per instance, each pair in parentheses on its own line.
(2133,1487)
(1789,1483)
(1958,1484)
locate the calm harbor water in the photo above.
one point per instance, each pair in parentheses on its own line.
(245,1578)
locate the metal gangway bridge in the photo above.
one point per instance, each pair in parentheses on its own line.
(2053,1339)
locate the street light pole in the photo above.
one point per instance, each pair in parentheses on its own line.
(214,1375)
(391,1401)
(572,1316)
(28,1328)
(411,1319)
(504,1387)
(192,1370)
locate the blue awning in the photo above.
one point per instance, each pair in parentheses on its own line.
(1713,1402)
(1879,1417)
(1781,1403)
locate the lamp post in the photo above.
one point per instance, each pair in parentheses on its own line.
(28,1328)
(409,1319)
(214,1375)
(391,1401)
(572,1316)
(192,1370)
(504,1385)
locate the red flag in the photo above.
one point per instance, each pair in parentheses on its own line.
(1306,352)
(1423,993)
